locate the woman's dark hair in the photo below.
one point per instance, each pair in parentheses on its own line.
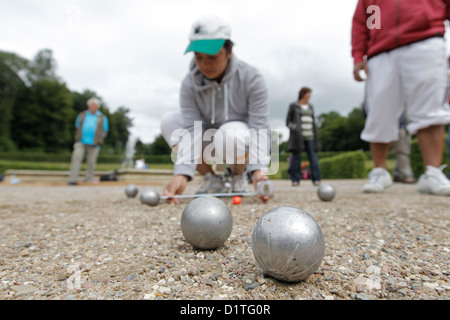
(227,45)
(303,92)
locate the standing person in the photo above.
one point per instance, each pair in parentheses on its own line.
(402,151)
(228,98)
(402,53)
(303,136)
(289,161)
(448,149)
(448,129)
(92,127)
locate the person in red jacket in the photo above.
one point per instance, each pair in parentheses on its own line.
(400,46)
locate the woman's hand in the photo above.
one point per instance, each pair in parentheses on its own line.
(258,176)
(175,187)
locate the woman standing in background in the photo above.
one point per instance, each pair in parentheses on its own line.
(303,136)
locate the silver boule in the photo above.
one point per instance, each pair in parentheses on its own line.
(206,223)
(149,197)
(265,188)
(131,190)
(288,244)
(326,192)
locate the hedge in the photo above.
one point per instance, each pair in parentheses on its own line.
(348,165)
(66,157)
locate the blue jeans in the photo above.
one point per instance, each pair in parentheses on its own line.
(296,174)
(448,149)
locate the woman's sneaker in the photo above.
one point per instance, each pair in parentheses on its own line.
(433,181)
(239,183)
(379,180)
(212,184)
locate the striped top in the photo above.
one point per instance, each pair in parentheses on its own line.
(306,119)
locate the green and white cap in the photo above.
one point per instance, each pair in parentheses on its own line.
(208,35)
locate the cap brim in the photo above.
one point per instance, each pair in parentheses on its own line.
(211,46)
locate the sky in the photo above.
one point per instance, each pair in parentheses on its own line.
(131,53)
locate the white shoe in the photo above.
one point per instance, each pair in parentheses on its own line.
(212,184)
(239,183)
(379,180)
(433,181)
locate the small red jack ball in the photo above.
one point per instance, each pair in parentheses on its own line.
(237,200)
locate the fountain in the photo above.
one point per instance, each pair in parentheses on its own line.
(129,153)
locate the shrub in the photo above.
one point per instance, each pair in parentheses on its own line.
(349,165)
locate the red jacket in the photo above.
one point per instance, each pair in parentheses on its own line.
(401,22)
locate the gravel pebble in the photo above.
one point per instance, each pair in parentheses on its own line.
(92,242)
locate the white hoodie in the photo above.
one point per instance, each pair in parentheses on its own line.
(241,96)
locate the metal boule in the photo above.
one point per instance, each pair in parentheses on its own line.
(149,197)
(326,192)
(288,244)
(265,188)
(131,190)
(206,223)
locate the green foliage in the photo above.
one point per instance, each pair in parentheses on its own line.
(38,111)
(43,66)
(119,124)
(338,133)
(7,145)
(55,157)
(42,115)
(157,150)
(349,165)
(10,84)
(160,146)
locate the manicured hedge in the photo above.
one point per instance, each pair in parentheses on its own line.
(348,165)
(65,157)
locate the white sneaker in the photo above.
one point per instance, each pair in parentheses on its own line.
(212,184)
(379,180)
(433,181)
(239,183)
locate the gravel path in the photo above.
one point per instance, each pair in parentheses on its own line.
(91,242)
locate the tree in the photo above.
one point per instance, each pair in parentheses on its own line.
(80,99)
(44,107)
(160,146)
(42,116)
(38,111)
(338,133)
(142,148)
(330,125)
(355,125)
(11,83)
(43,66)
(119,124)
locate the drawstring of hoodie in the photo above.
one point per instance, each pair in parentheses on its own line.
(225,98)
(213,104)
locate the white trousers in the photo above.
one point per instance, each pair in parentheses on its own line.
(229,144)
(411,78)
